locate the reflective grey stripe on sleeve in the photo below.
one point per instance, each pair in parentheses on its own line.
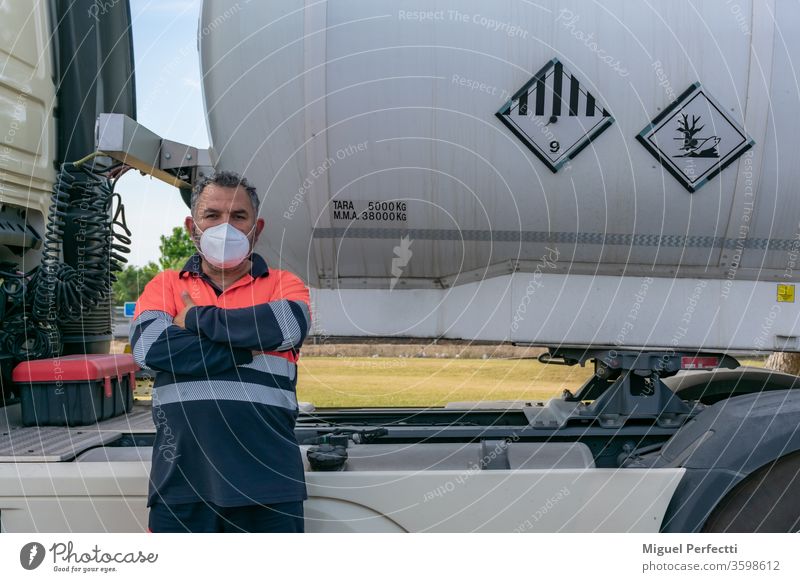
(156,322)
(290,328)
(306,314)
(223,390)
(274,365)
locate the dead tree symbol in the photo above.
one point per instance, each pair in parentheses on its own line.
(696,147)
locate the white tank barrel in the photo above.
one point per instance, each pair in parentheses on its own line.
(556,157)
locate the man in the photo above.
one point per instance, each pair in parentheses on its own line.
(224,335)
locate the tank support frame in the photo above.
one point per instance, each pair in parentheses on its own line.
(626,384)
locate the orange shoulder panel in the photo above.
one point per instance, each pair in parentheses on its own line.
(158,295)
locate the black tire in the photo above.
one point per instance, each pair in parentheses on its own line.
(766,501)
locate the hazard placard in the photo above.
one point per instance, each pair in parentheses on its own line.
(555,115)
(695,138)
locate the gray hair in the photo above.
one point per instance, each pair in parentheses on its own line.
(224,179)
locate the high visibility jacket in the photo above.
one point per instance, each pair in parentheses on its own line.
(224,417)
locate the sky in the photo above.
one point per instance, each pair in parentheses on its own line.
(170,104)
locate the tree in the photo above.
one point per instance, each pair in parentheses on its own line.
(131,282)
(176,249)
(787,362)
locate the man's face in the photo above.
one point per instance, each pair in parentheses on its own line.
(219,204)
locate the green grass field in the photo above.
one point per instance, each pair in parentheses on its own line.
(429,382)
(433,382)
(358,381)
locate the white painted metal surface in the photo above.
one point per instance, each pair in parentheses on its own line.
(558,310)
(92,497)
(334,109)
(401,487)
(27,97)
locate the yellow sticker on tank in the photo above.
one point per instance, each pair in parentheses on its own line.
(786,293)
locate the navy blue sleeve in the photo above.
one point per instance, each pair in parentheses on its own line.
(159,345)
(275,326)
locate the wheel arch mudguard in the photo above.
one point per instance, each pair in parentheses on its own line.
(724,444)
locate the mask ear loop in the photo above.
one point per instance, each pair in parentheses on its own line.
(194,225)
(196,239)
(253,244)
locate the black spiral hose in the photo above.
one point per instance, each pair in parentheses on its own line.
(20,336)
(34,304)
(45,280)
(61,293)
(26,339)
(121,242)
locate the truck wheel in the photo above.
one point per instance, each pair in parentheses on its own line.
(766,501)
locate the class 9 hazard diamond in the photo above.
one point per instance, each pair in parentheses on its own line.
(554,115)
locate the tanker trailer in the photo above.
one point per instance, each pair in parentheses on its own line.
(613,182)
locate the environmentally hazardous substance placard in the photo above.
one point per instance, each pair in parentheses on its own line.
(555,115)
(695,138)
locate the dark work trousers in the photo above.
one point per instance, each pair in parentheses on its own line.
(209,518)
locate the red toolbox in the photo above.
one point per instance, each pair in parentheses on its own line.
(75,390)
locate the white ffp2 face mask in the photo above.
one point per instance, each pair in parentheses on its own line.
(224,246)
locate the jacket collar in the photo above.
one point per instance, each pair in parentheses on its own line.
(194,266)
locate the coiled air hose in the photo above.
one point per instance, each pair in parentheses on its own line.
(19,338)
(59,293)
